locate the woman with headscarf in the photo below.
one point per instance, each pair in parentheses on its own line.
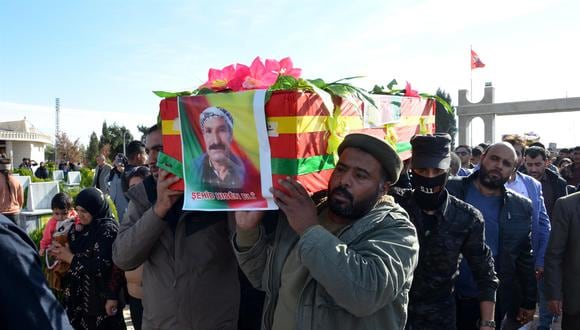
(93,283)
(11,192)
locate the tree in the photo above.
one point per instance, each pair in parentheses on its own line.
(113,136)
(49,153)
(92,150)
(67,149)
(143,130)
(445,122)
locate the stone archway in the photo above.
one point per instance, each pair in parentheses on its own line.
(488,111)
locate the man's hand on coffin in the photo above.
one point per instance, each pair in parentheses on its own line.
(295,202)
(61,252)
(165,196)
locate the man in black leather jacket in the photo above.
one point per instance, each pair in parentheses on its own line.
(507,217)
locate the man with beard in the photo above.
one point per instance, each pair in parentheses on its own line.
(447,228)
(553,186)
(190,273)
(507,216)
(345,263)
(219,168)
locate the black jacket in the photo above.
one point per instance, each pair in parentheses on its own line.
(458,231)
(26,300)
(515,263)
(558,187)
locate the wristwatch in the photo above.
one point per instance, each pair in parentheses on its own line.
(486,323)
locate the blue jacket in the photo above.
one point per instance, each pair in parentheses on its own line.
(540,220)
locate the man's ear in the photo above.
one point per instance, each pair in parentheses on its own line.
(384,187)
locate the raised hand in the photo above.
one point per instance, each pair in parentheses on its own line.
(165,196)
(296,203)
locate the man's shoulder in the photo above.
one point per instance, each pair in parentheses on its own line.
(570,200)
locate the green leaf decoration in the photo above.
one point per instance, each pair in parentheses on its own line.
(326,98)
(392,84)
(439,99)
(317,82)
(172,94)
(345,79)
(284,83)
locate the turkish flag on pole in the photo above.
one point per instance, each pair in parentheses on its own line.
(475,61)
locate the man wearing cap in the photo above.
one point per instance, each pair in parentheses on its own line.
(218,166)
(341,262)
(447,228)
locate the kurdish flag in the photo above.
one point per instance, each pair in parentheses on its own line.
(225,152)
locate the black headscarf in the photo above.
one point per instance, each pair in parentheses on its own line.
(93,200)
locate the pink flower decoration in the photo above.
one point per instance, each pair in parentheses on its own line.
(220,79)
(409,91)
(260,77)
(284,68)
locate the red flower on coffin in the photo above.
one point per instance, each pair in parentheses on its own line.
(284,68)
(220,79)
(260,76)
(409,91)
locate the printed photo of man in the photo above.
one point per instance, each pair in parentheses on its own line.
(219,168)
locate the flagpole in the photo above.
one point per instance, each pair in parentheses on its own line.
(470,75)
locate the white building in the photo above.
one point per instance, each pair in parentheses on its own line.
(20,139)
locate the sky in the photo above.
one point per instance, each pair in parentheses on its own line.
(104,58)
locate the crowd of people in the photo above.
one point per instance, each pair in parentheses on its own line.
(471,238)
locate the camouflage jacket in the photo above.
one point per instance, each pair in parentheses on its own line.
(458,231)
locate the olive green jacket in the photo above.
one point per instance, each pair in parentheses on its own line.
(359,279)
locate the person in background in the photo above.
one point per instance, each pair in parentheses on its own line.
(102,172)
(562,267)
(464,153)
(115,182)
(553,186)
(135,176)
(92,286)
(476,155)
(41,172)
(572,172)
(11,191)
(454,165)
(27,301)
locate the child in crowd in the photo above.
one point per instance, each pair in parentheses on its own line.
(62,209)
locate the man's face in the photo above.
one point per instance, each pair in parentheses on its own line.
(576,157)
(497,165)
(153,145)
(535,166)
(464,155)
(217,137)
(100,161)
(355,184)
(475,159)
(140,159)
